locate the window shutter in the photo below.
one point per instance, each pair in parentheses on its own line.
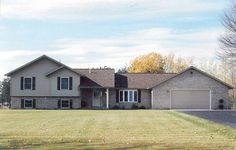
(59,104)
(139,96)
(71,103)
(22,83)
(34,103)
(33,83)
(117,96)
(58,83)
(70,83)
(22,103)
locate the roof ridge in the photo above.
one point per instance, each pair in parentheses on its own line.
(146,73)
(93,68)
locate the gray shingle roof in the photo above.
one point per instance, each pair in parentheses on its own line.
(140,80)
(59,68)
(204,73)
(96,77)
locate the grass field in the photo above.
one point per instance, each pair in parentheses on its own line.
(110,129)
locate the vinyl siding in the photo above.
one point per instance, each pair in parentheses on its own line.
(196,80)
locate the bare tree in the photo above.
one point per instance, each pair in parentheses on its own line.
(227,41)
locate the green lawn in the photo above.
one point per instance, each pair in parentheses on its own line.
(110,129)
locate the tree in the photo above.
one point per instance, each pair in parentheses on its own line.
(219,69)
(5,90)
(149,63)
(1,101)
(228,39)
(227,42)
(156,63)
(174,65)
(123,70)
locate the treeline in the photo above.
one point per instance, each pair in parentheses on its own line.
(5,90)
(155,62)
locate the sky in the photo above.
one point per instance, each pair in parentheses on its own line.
(94,33)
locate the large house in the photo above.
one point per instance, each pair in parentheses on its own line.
(45,83)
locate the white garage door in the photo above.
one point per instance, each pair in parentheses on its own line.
(190,99)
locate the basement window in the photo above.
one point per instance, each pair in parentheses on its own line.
(28,103)
(65,104)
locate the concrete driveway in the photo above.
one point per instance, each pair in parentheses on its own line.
(224,117)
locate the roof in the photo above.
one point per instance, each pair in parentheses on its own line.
(140,80)
(62,67)
(96,77)
(31,62)
(194,68)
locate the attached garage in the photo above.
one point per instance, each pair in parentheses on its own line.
(190,99)
(190,89)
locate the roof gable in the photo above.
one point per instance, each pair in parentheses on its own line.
(198,70)
(96,78)
(32,62)
(60,68)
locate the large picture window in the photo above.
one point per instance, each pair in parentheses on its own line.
(28,83)
(128,96)
(64,83)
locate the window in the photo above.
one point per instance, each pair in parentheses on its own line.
(135,96)
(64,83)
(65,104)
(28,103)
(131,95)
(128,96)
(27,83)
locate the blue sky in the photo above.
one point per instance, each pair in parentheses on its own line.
(96,33)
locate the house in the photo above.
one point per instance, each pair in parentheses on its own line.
(45,83)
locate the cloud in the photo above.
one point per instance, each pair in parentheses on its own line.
(103,9)
(120,50)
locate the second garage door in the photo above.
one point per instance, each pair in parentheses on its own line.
(190,99)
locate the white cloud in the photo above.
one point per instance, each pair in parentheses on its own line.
(118,51)
(102,9)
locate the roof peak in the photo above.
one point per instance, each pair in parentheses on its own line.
(33,61)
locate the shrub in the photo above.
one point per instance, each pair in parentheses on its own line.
(134,106)
(84,104)
(221,101)
(142,107)
(116,107)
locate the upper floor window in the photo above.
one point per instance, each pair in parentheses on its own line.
(28,83)
(128,96)
(64,83)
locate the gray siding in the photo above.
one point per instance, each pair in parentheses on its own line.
(45,86)
(45,102)
(196,80)
(65,73)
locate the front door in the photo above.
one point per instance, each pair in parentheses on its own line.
(97,96)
